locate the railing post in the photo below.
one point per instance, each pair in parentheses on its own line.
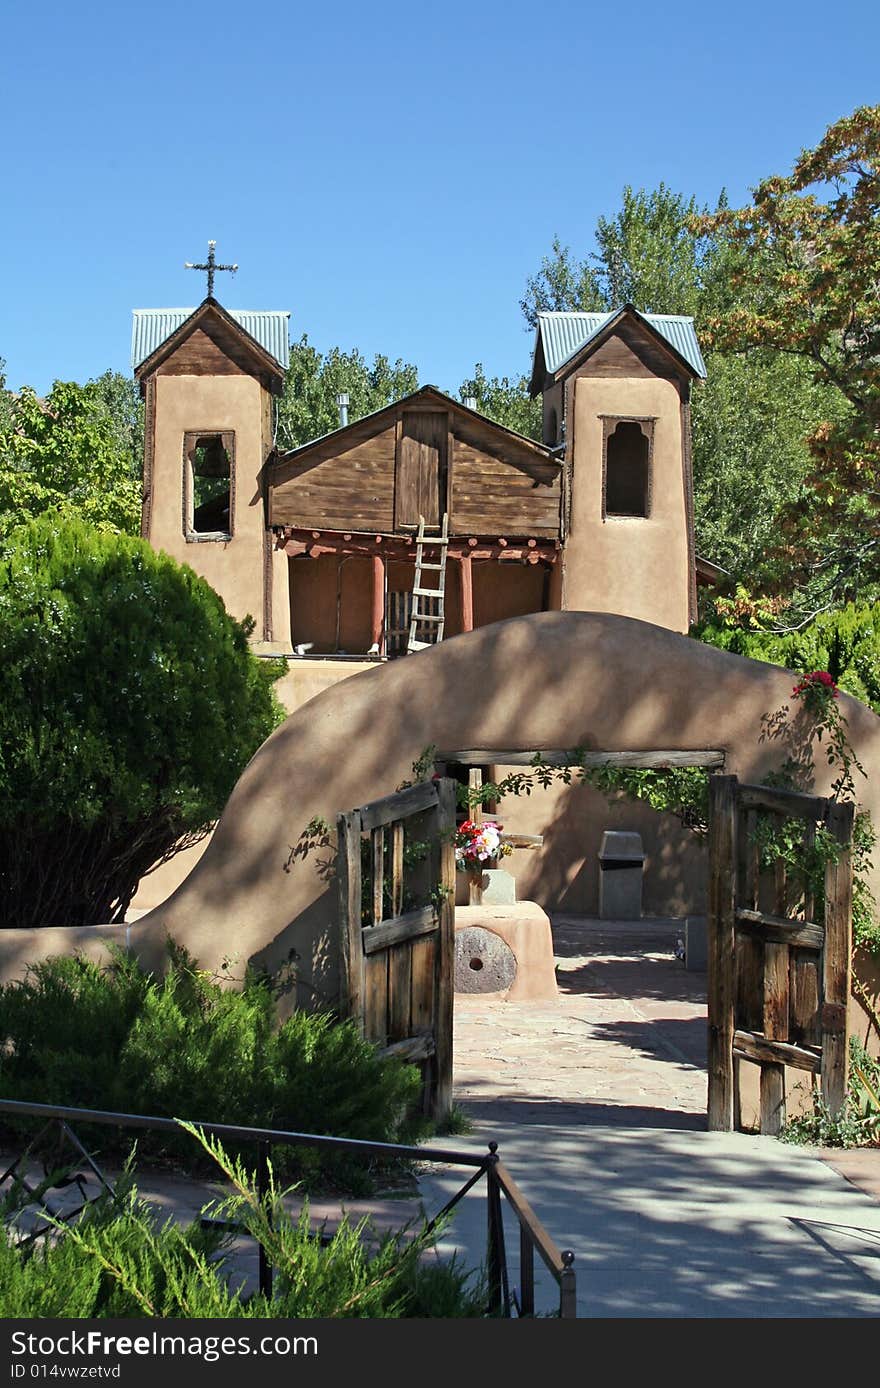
(262,1191)
(526,1272)
(495,1234)
(567,1287)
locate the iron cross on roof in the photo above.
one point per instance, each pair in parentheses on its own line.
(211,265)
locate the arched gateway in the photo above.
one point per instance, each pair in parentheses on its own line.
(549,680)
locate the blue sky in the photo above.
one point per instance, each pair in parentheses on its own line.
(390,173)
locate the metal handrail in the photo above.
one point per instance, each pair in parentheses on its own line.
(533,1235)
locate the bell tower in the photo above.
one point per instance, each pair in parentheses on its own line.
(616,395)
(207,376)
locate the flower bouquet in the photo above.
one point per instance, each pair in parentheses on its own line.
(476,845)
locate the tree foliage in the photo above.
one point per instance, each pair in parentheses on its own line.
(845,643)
(129,705)
(79,451)
(307,407)
(807,285)
(504,400)
(751,416)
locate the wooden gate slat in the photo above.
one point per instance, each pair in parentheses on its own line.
(419,922)
(400,992)
(422,955)
(776,1010)
(376,998)
(804,1025)
(836,980)
(445,974)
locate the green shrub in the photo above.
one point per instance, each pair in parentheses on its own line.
(129,706)
(858,1124)
(119,1260)
(182,1046)
(845,642)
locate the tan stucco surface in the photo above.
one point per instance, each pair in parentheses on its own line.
(233,567)
(637,566)
(552,680)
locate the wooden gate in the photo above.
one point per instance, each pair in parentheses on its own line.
(779,951)
(396,876)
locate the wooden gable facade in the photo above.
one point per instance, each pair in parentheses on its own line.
(353,500)
(424,456)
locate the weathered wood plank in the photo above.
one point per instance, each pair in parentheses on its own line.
(396,869)
(804,1027)
(376,998)
(722,932)
(413,1048)
(837,967)
(749,1007)
(772,1098)
(482,756)
(750,1045)
(423,952)
(398,805)
(445,970)
(782,929)
(787,802)
(776,1010)
(348,879)
(421,921)
(377,846)
(400,991)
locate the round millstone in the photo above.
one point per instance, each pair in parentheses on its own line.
(483,962)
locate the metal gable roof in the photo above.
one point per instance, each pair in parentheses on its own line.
(152,326)
(564,334)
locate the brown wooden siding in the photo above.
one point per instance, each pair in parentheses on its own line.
(629,352)
(209,354)
(353,490)
(491,497)
(420,485)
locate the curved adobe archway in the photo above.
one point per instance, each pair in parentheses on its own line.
(555,679)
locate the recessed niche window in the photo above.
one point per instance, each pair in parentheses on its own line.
(626,487)
(207,491)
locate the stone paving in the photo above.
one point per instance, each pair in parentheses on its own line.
(624,1041)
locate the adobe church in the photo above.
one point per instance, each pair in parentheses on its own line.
(426,519)
(319,545)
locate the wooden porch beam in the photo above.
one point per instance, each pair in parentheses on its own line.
(488,756)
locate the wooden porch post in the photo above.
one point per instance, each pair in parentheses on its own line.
(467,593)
(377,616)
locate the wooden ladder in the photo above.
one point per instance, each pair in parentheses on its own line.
(428,603)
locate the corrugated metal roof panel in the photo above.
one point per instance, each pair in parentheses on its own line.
(564,334)
(152,326)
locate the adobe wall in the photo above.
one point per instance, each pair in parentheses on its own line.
(634,565)
(551,680)
(232,567)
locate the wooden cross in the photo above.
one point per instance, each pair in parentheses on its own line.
(210,266)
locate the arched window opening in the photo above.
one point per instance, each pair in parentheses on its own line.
(627,470)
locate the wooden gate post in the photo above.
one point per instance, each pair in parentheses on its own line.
(838,947)
(445,964)
(348,881)
(722,909)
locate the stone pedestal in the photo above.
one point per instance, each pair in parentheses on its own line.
(504,951)
(499,888)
